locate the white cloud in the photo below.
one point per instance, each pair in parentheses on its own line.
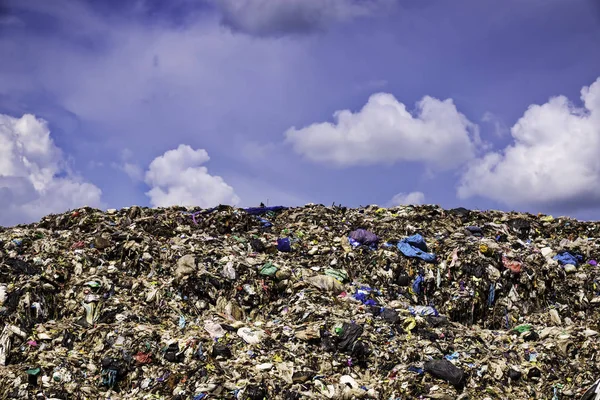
(178,178)
(414,198)
(168,78)
(131,169)
(500,130)
(34,178)
(275,17)
(553,161)
(384,132)
(134,171)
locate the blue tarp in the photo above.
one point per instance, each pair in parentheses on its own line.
(564,257)
(263,210)
(415,246)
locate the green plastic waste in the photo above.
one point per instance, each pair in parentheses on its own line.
(269,269)
(338,274)
(523,328)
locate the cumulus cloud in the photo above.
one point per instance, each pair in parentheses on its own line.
(552,162)
(384,132)
(178,177)
(34,178)
(281,17)
(412,198)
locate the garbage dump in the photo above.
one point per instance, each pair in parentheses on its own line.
(412,302)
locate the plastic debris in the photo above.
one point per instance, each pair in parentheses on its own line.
(290,303)
(415,246)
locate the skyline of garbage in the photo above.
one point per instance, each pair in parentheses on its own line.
(303,302)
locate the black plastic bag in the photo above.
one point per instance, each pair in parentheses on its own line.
(444,369)
(404,280)
(68,340)
(534,373)
(172,353)
(531,336)
(514,375)
(255,392)
(390,315)
(436,321)
(257,245)
(220,350)
(350,333)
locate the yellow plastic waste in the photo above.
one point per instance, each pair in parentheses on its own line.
(484,248)
(409,324)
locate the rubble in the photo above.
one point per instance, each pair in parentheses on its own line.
(284,303)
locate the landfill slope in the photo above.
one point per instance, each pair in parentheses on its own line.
(289,303)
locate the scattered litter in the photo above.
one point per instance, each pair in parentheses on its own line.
(411,302)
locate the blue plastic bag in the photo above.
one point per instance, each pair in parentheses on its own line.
(284,245)
(564,257)
(415,246)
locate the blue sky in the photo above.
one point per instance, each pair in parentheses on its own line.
(474,103)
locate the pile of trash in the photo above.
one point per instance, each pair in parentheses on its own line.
(311,302)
